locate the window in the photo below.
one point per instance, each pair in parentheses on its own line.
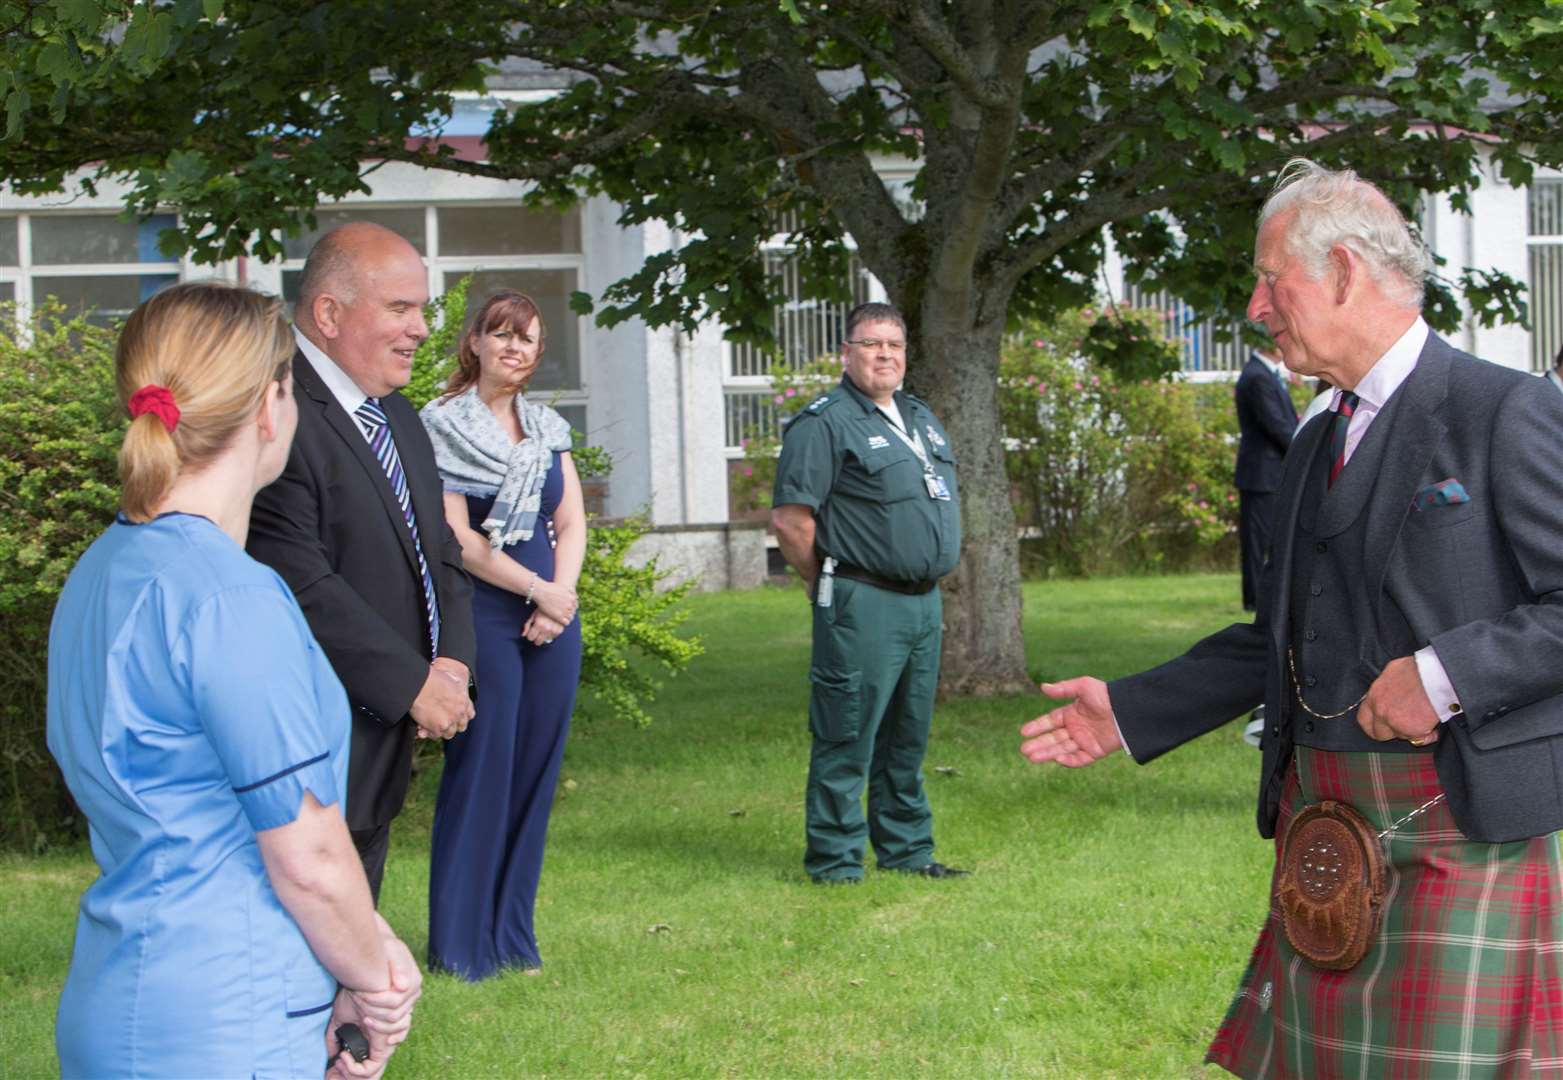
(805,331)
(502,246)
(1204,345)
(1544,238)
(96,263)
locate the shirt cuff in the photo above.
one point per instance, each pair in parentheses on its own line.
(1436,684)
(1122,741)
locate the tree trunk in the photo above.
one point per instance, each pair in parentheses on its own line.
(955,369)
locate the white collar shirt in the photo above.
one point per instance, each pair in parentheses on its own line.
(1381,382)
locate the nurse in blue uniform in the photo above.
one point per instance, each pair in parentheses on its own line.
(205,737)
(513,500)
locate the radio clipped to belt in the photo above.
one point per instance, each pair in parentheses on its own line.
(825,587)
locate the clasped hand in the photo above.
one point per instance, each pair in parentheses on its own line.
(556,601)
(443,707)
(384,1015)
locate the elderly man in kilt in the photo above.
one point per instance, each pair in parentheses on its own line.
(1408,648)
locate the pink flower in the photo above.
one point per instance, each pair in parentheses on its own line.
(1079,387)
(1038,344)
(778,399)
(792,391)
(1203,505)
(1193,488)
(1095,381)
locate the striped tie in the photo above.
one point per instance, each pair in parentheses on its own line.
(1348,405)
(377,429)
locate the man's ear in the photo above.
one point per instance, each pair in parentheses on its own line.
(326,310)
(1345,270)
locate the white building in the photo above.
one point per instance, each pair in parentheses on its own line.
(670,407)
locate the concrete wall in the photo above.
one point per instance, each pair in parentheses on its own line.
(724,556)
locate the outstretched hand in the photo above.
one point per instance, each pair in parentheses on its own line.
(1075,734)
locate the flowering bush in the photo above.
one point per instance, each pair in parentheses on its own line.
(1113,473)
(792,388)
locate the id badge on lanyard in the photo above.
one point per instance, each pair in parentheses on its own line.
(937,488)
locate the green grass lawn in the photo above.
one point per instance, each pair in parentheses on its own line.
(1102,934)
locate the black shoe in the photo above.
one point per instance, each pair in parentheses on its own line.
(836,880)
(935,870)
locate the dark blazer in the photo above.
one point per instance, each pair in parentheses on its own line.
(331,526)
(1482,581)
(1266,421)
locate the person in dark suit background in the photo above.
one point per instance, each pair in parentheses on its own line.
(1408,647)
(1266,421)
(1555,373)
(356,525)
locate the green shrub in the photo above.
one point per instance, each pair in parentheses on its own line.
(60,430)
(1114,474)
(627,625)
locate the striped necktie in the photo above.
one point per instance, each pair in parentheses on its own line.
(1348,405)
(377,429)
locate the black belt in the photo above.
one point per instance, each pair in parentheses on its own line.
(909,588)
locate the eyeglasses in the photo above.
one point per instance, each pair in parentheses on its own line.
(874,343)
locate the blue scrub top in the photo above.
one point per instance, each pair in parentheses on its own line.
(189,708)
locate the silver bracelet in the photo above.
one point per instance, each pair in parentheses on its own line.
(532,588)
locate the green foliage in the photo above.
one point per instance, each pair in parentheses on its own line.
(1116,466)
(627,625)
(1026,133)
(60,430)
(436,356)
(1114,473)
(1132,349)
(1072,117)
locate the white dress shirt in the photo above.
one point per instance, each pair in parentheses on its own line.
(1376,388)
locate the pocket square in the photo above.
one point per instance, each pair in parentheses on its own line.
(1448,492)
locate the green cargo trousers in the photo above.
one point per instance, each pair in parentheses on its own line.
(874,671)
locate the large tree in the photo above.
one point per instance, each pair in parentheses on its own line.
(1035,129)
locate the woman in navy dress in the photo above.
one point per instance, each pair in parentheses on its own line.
(513,499)
(205,736)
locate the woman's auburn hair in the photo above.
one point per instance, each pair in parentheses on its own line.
(507,307)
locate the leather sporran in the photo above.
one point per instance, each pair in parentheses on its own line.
(1331,886)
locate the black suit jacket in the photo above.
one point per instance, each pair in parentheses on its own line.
(331,526)
(1482,581)
(1266,421)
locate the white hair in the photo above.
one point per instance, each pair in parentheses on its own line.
(1333,207)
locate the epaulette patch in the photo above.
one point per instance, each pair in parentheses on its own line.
(818,404)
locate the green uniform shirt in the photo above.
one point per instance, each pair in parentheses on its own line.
(843,458)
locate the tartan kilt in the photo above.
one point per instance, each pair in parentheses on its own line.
(1465,978)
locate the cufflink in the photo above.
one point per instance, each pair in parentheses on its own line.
(1454,708)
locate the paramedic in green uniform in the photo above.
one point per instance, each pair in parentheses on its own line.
(867,510)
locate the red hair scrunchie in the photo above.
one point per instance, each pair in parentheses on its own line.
(157,400)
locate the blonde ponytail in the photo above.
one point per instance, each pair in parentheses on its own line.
(192,365)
